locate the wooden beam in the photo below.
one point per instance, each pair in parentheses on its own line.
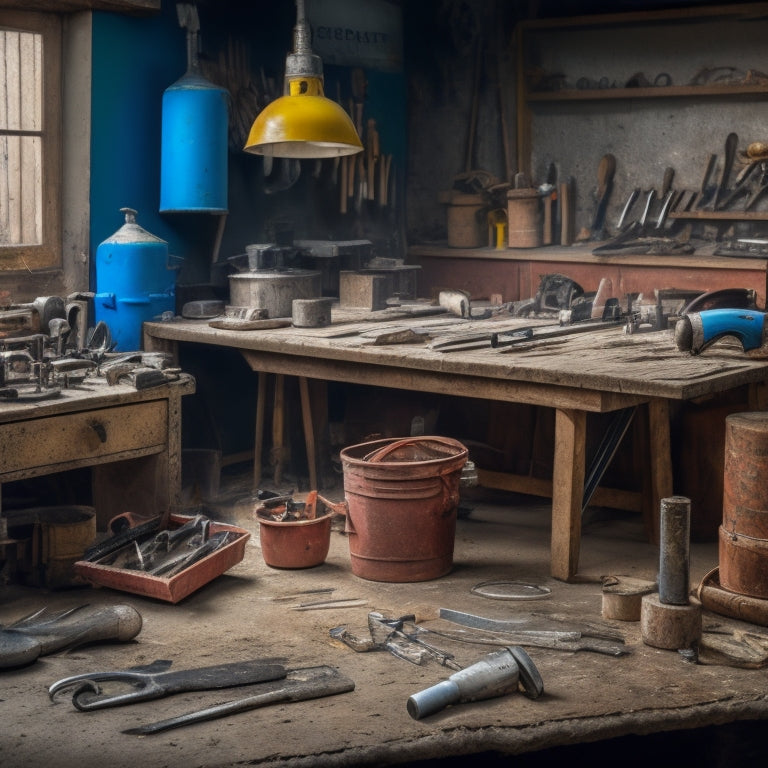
(568,491)
(133,7)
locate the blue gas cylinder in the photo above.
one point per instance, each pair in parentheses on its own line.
(193,158)
(134,282)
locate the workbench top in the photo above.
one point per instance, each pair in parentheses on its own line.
(646,364)
(92,393)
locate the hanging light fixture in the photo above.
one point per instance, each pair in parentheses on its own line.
(303,123)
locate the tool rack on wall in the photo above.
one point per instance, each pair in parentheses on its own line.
(558,76)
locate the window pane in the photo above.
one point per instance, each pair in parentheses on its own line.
(21,220)
(20,153)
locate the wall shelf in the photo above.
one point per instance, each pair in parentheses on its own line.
(654,92)
(717,69)
(515,273)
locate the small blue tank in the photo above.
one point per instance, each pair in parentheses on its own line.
(134,282)
(194,154)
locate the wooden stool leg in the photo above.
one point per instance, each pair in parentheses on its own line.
(258,443)
(278,428)
(641,454)
(567,491)
(660,459)
(309,431)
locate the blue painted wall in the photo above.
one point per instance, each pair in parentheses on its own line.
(135,60)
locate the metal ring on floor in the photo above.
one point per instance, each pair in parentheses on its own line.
(511,590)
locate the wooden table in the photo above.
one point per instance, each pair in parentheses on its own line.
(602,371)
(131,438)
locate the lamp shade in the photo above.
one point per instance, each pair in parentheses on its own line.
(303,124)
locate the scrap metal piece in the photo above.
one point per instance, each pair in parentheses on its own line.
(355,642)
(555,640)
(352,602)
(536,622)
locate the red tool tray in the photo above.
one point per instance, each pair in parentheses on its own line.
(176,587)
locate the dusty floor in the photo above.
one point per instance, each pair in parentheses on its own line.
(633,708)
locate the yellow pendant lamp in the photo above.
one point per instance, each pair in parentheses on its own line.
(303,123)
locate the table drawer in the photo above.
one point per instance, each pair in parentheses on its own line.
(83,436)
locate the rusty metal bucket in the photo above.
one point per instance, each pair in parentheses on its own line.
(401,497)
(295,543)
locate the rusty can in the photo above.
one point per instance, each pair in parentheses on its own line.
(745,490)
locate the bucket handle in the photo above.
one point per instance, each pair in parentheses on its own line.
(381,453)
(339,508)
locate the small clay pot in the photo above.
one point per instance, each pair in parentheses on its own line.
(295,543)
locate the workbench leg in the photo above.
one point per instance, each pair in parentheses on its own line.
(567,491)
(258,443)
(757,397)
(309,431)
(167,346)
(660,459)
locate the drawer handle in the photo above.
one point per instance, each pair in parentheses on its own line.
(98,428)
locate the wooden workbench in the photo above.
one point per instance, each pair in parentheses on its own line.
(597,372)
(131,438)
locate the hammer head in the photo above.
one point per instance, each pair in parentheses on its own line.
(696,331)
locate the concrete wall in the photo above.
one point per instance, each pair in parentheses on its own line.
(645,135)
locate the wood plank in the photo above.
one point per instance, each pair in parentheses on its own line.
(132,7)
(355,372)
(612,498)
(568,491)
(641,364)
(661,468)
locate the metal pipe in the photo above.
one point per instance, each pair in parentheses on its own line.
(674,561)
(499,673)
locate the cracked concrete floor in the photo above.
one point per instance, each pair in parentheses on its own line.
(596,707)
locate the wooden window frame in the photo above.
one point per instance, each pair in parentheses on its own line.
(46,256)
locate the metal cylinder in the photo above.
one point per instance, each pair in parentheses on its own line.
(745,492)
(674,561)
(495,675)
(194,153)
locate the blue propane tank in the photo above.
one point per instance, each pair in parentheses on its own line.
(193,160)
(134,282)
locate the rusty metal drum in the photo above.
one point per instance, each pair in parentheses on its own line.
(402,497)
(743,564)
(743,535)
(745,480)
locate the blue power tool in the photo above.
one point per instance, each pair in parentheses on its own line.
(696,331)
